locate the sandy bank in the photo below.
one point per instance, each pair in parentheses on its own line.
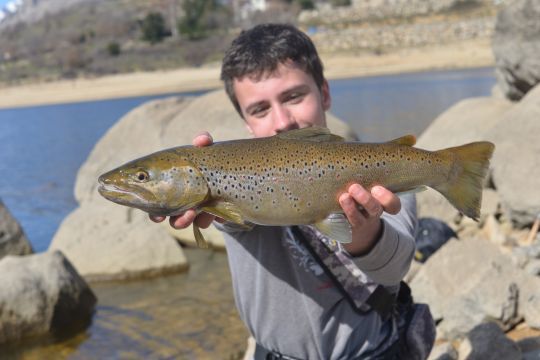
(469,54)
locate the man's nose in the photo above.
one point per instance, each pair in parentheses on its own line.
(283,119)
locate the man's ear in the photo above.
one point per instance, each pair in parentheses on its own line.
(325,96)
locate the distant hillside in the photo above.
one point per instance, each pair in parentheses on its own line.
(71,38)
(57,39)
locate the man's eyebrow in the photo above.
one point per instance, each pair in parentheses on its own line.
(300,88)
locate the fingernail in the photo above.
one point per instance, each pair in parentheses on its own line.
(377,190)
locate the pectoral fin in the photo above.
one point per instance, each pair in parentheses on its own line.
(199,238)
(227,211)
(336,227)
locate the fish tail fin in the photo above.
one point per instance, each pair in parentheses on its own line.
(464,188)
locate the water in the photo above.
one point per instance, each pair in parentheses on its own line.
(41,149)
(188,315)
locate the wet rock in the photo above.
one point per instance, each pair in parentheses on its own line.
(13,241)
(488,341)
(42,294)
(105,241)
(444,351)
(516,46)
(515,169)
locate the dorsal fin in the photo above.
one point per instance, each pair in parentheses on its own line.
(407,140)
(313,133)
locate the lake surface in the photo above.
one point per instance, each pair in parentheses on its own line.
(188,315)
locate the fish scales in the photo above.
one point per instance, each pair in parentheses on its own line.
(292,178)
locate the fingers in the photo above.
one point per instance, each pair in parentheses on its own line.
(373,203)
(389,201)
(184,220)
(203,139)
(204,220)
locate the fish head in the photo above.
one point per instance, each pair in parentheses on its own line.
(160,184)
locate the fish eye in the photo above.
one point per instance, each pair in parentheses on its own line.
(142,176)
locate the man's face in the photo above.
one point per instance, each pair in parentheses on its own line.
(280,101)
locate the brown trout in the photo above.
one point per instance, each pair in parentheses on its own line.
(293,178)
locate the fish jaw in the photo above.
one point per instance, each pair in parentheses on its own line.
(128,195)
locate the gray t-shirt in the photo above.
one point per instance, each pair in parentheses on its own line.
(290,305)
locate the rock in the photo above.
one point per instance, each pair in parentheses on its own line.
(516,46)
(443,351)
(493,232)
(533,267)
(529,300)
(13,241)
(42,294)
(136,134)
(478,116)
(517,168)
(105,241)
(468,281)
(488,342)
(530,348)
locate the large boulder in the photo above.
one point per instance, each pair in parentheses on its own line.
(516,164)
(138,133)
(13,241)
(105,241)
(108,241)
(42,294)
(516,45)
(470,281)
(467,121)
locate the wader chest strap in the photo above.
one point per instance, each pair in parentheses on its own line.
(362,293)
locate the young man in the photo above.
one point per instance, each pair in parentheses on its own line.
(292,305)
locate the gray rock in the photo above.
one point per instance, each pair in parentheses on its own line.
(533,267)
(105,241)
(516,46)
(138,133)
(516,169)
(13,241)
(530,348)
(42,294)
(477,115)
(529,300)
(443,351)
(469,281)
(488,342)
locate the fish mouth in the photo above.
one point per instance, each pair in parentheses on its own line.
(125,195)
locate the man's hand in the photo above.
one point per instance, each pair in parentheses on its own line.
(366,223)
(203,220)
